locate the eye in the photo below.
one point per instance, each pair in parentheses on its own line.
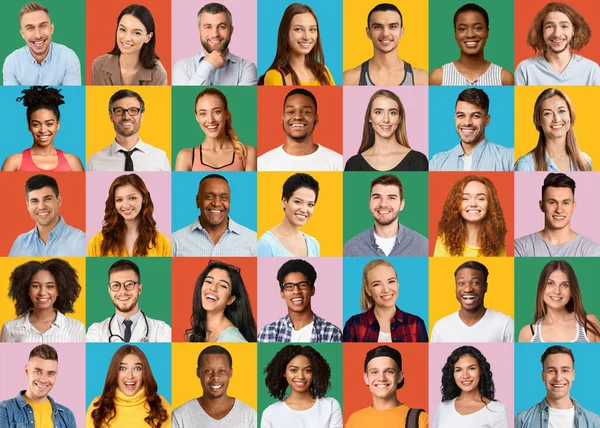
(137,368)
(122,368)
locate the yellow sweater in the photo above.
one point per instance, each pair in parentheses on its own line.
(470,251)
(163,247)
(131,411)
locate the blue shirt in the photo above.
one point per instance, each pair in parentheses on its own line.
(269,246)
(527,163)
(60,68)
(487,156)
(16,412)
(64,240)
(195,71)
(538,416)
(194,240)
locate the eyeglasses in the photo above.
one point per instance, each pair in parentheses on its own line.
(128,285)
(232,267)
(302,285)
(119,111)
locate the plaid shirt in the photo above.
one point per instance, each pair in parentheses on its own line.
(281,331)
(404,327)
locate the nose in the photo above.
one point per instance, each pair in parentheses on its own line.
(386,118)
(301,374)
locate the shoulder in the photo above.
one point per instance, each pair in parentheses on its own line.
(525,163)
(273,154)
(13,162)
(231,334)
(354,163)
(250,150)
(593,319)
(416,155)
(352,76)
(587,158)
(436,76)
(353,320)
(243,407)
(159,73)
(525,333)
(412,234)
(327,152)
(507,77)
(273,78)
(421,77)
(73,161)
(498,317)
(101,60)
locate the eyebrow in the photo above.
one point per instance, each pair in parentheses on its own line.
(477,194)
(221,280)
(138,29)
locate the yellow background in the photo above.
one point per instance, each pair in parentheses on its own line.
(186,385)
(155,129)
(325,225)
(413,46)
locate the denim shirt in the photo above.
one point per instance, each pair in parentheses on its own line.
(538,416)
(17,413)
(487,156)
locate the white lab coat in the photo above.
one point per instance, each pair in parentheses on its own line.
(159,331)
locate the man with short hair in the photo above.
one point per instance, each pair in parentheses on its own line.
(214,233)
(33,406)
(474,152)
(388,237)
(557,239)
(128,152)
(215,65)
(214,408)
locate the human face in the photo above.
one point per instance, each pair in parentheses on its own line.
(558,32)
(475,202)
(299,117)
(37,30)
(382,377)
(299,208)
(558,291)
(128,201)
(215,32)
(131,371)
(43,206)
(125,301)
(558,374)
(466,373)
(214,374)
(558,205)
(385,204)
(383,286)
(211,115)
(385,116)
(303,34)
(213,200)
(385,30)
(298,374)
(297,300)
(43,126)
(126,125)
(41,375)
(471,32)
(216,291)
(471,121)
(470,289)
(555,118)
(132,35)
(42,290)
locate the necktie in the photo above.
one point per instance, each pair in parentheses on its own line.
(127,324)
(128,160)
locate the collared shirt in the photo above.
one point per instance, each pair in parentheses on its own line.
(16,412)
(404,327)
(106,70)
(59,68)
(145,158)
(195,71)
(281,331)
(134,320)
(63,329)
(486,156)
(538,416)
(194,240)
(408,243)
(63,240)
(527,163)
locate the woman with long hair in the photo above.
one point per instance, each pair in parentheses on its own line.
(43,119)
(221,149)
(221,310)
(468,393)
(130,395)
(472,222)
(557,148)
(559,309)
(384,145)
(128,228)
(133,59)
(299,59)
(42,293)
(308,376)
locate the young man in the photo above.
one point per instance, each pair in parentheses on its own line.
(214,408)
(215,65)
(297,286)
(556,31)
(51,236)
(129,323)
(384,377)
(387,237)
(557,409)
(385,29)
(474,152)
(128,152)
(34,406)
(557,239)
(473,322)
(214,233)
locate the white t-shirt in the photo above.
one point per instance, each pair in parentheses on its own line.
(304,334)
(384,337)
(493,327)
(385,244)
(191,414)
(494,415)
(468,162)
(561,418)
(325,413)
(323,159)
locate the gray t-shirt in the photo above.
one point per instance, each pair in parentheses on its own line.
(534,246)
(191,414)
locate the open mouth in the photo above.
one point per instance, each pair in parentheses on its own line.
(298,301)
(301,216)
(468,131)
(559,217)
(468,298)
(123,298)
(298,125)
(305,45)
(127,212)
(126,123)
(387,297)
(472,44)
(130,385)
(216,387)
(466,382)
(212,128)
(558,385)
(43,214)
(211,297)
(38,44)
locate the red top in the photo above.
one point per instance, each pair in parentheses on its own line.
(28,165)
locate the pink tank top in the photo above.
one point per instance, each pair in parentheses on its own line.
(197,164)
(28,165)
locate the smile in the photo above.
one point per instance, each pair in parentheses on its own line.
(215,41)
(387,297)
(468,131)
(557,298)
(300,383)
(127,211)
(43,214)
(212,128)
(466,382)
(305,45)
(216,387)
(472,44)
(211,296)
(130,385)
(298,300)
(123,298)
(468,297)
(298,125)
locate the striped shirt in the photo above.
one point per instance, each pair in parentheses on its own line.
(194,240)
(64,329)
(452,77)
(404,327)
(580,336)
(281,331)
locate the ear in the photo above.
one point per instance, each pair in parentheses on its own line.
(366,378)
(59,199)
(198,372)
(149,37)
(316,119)
(400,377)
(401,33)
(402,204)
(51,29)
(368,32)
(281,293)
(198,201)
(140,286)
(27,369)
(231,300)
(312,291)
(487,120)
(541,203)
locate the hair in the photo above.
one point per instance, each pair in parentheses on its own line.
(452,228)
(239,312)
(125,93)
(113,225)
(42,98)
(571,146)
(297,265)
(384,7)
(581,30)
(302,91)
(298,181)
(388,180)
(314,60)
(32,7)
(368,137)
(472,264)
(39,181)
(558,179)
(65,276)
(366,301)
(209,176)
(45,352)
(105,409)
(558,349)
(277,383)
(214,9)
(476,97)
(215,350)
(472,7)
(148,56)
(123,265)
(450,389)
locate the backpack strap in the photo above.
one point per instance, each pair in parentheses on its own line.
(412,418)
(282,71)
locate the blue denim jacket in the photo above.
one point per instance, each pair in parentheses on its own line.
(17,413)
(537,417)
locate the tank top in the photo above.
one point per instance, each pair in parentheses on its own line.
(537,335)
(491,77)
(365,80)
(197,164)
(28,165)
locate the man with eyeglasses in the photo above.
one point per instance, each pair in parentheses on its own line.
(128,152)
(129,323)
(297,286)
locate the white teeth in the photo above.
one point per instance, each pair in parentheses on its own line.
(299,299)
(215,387)
(215,211)
(213,298)
(298,125)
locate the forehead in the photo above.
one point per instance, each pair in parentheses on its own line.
(215,360)
(295,277)
(385,189)
(131,359)
(40,363)
(131,22)
(556,17)
(470,17)
(468,273)
(299,100)
(466,107)
(123,275)
(466,360)
(219,275)
(304,19)
(127,102)
(558,193)
(299,361)
(33,18)
(42,276)
(385,17)
(381,272)
(214,185)
(209,101)
(475,187)
(382,363)
(41,193)
(42,114)
(304,193)
(553,102)
(385,103)
(125,190)
(214,19)
(558,275)
(558,360)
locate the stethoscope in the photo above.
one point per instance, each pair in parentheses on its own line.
(111,335)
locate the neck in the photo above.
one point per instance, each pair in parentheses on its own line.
(214,321)
(297,61)
(557,315)
(286,228)
(44,231)
(556,147)
(48,150)
(472,317)
(127,142)
(132,225)
(296,396)
(300,148)
(473,61)
(217,143)
(48,314)
(468,148)
(385,59)
(562,58)
(215,404)
(129,61)
(384,314)
(473,229)
(385,146)
(385,403)
(388,230)
(560,403)
(30,397)
(558,236)
(129,313)
(40,58)
(214,231)
(301,319)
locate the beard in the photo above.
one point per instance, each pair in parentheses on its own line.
(222,47)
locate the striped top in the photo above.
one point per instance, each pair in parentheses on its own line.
(64,329)
(452,77)
(581,335)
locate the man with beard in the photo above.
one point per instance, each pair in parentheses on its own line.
(129,323)
(128,152)
(473,322)
(387,237)
(474,152)
(215,65)
(300,153)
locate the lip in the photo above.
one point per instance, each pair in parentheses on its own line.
(211,297)
(297,301)
(127,212)
(467,130)
(38,43)
(215,387)
(472,43)
(212,128)
(387,297)
(305,45)
(123,298)
(130,385)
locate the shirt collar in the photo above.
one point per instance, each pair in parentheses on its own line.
(113,67)
(58,229)
(134,318)
(316,320)
(115,147)
(45,60)
(59,321)
(398,316)
(459,151)
(232,226)
(398,235)
(22,403)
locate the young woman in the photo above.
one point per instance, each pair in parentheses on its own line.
(384,145)
(128,229)
(221,149)
(299,59)
(43,117)
(43,292)
(308,376)
(133,59)
(129,397)
(381,316)
(468,393)
(298,199)
(221,309)
(557,148)
(472,222)
(471,30)
(559,311)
